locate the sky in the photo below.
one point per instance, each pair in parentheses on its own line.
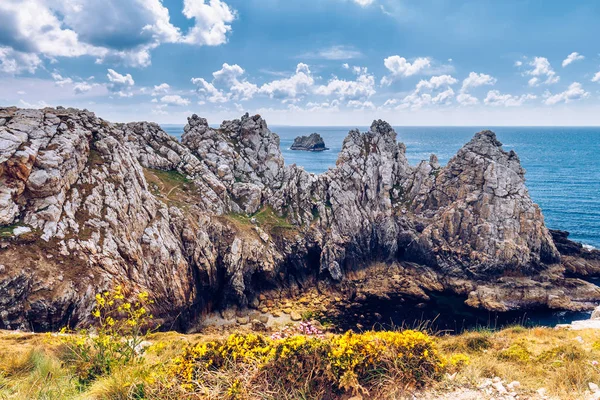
(307,62)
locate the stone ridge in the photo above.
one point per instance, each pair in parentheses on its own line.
(219,218)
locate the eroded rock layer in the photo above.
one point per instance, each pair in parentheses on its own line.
(217,218)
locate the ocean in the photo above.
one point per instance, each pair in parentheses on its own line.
(562,164)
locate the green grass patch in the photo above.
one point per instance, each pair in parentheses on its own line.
(7,231)
(266,217)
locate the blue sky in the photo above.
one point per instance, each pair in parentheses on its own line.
(307,62)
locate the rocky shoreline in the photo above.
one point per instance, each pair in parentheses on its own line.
(217,220)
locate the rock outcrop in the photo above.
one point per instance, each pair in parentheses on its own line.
(313,142)
(218,218)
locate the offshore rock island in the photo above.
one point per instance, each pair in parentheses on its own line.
(219,220)
(313,142)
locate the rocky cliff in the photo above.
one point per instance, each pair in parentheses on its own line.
(218,218)
(312,142)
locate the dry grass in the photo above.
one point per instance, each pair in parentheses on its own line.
(560,361)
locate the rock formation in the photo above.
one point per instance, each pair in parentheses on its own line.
(313,142)
(218,218)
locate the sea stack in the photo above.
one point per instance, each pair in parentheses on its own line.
(313,142)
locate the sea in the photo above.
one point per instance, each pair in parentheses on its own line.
(562,164)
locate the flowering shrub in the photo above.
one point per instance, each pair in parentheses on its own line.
(346,362)
(122,327)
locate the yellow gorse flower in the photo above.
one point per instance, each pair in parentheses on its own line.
(349,357)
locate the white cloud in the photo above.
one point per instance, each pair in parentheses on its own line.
(239,89)
(436,82)
(123,31)
(15,62)
(518,63)
(39,104)
(361,88)
(541,69)
(596,77)
(82,87)
(333,53)
(575,56)
(163,88)
(472,81)
(290,88)
(61,81)
(209,92)
(175,100)
(495,98)
(361,105)
(465,99)
(334,105)
(390,103)
(475,80)
(364,3)
(119,80)
(120,83)
(400,67)
(213,22)
(345,66)
(435,91)
(573,93)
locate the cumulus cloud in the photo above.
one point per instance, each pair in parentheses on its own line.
(495,98)
(541,72)
(120,84)
(466,99)
(60,80)
(123,31)
(213,22)
(436,82)
(239,89)
(400,67)
(596,77)
(14,62)
(475,80)
(434,91)
(573,93)
(83,87)
(472,81)
(163,88)
(360,89)
(290,88)
(175,100)
(209,92)
(574,56)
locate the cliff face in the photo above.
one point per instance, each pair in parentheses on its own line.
(218,218)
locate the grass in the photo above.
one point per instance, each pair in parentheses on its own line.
(265,218)
(7,231)
(32,366)
(171,186)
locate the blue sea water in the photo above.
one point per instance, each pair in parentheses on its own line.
(562,164)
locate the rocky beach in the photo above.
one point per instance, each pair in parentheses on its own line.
(218,222)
